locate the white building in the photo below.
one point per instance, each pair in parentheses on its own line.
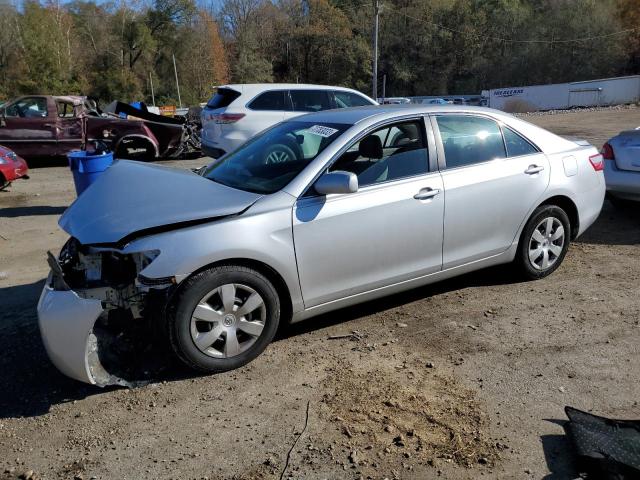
(607,91)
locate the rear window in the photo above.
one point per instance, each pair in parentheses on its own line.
(223,98)
(516,145)
(348,99)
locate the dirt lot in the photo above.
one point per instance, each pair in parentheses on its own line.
(460,379)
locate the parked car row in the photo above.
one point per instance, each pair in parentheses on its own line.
(367,202)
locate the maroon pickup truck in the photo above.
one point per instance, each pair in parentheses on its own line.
(45,125)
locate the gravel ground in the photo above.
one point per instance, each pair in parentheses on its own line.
(460,379)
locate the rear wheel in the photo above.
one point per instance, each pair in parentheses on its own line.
(224,318)
(544,242)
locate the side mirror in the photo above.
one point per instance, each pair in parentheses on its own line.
(3,121)
(337,182)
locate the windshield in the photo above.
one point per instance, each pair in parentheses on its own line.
(273,158)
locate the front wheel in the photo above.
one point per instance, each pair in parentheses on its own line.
(224,317)
(544,242)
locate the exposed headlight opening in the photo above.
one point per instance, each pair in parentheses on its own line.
(156,282)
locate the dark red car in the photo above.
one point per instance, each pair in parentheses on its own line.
(46,125)
(12,167)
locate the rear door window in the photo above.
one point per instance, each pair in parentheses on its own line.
(223,98)
(516,144)
(468,140)
(65,109)
(349,99)
(273,100)
(310,100)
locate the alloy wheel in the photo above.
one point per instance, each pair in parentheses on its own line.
(277,156)
(228,320)
(546,243)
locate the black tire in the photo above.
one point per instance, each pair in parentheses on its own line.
(3,183)
(193,291)
(524,264)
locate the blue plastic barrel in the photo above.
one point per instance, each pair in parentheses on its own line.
(86,168)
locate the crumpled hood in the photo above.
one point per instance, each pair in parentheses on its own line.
(131,197)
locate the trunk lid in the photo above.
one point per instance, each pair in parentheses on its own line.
(626,148)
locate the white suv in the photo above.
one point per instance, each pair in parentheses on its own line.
(237,112)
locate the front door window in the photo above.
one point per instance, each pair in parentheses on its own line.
(30,107)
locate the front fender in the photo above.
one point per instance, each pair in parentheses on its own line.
(265,238)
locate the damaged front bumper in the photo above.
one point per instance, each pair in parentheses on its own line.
(66,324)
(92,310)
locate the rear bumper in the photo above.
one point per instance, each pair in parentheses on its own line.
(589,203)
(621,183)
(66,325)
(223,139)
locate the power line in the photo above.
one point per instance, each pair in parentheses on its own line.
(509,40)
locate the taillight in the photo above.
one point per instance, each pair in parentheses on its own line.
(226,117)
(597,162)
(607,152)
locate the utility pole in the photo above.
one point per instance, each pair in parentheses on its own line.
(384,86)
(375,49)
(153,98)
(175,70)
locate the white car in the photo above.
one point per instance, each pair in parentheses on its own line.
(236,113)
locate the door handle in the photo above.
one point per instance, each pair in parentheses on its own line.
(533,169)
(426,193)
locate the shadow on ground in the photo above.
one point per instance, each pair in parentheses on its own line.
(30,384)
(559,455)
(14,212)
(615,226)
(500,275)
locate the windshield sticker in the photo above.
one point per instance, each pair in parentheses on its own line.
(322,131)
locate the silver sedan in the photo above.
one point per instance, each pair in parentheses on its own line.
(323,211)
(622,166)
